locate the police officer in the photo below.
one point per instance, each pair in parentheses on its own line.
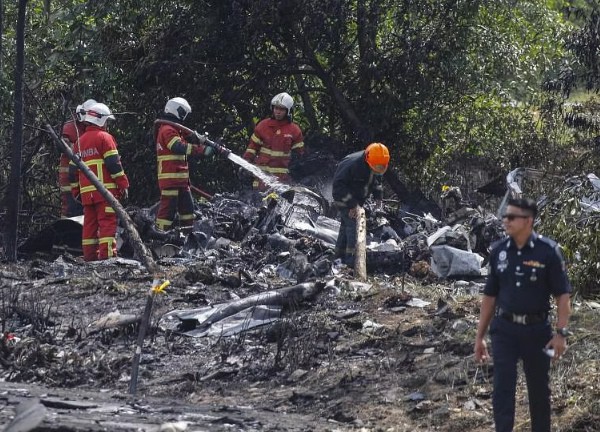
(526,270)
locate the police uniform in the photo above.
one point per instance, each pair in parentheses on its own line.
(523,282)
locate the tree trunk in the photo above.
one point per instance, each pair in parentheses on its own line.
(1,33)
(13,193)
(360,251)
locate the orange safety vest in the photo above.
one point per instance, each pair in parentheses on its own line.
(98,151)
(272,144)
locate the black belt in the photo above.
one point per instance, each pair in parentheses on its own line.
(524,319)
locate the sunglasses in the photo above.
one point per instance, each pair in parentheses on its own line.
(512,217)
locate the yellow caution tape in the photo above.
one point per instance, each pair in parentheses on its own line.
(160,289)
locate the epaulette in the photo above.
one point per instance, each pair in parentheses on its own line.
(548,241)
(497,243)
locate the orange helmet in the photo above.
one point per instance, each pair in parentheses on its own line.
(378,157)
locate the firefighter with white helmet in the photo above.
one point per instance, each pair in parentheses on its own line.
(71,131)
(98,151)
(173,147)
(276,140)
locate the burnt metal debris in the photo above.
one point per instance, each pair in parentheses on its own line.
(291,235)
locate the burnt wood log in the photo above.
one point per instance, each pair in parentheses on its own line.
(360,251)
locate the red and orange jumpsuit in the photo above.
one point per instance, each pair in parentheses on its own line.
(271,147)
(98,151)
(172,152)
(69,207)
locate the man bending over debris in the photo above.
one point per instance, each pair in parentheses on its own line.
(172,151)
(526,270)
(98,151)
(356,177)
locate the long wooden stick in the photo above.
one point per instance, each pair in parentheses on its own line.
(360,252)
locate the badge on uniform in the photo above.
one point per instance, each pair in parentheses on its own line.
(533,277)
(502,261)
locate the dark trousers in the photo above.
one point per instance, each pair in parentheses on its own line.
(346,241)
(511,342)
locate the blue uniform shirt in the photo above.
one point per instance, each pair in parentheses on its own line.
(523,281)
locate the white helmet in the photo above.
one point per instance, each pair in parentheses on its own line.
(98,114)
(179,107)
(283,100)
(81,109)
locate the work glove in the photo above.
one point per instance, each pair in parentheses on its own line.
(208,151)
(196,138)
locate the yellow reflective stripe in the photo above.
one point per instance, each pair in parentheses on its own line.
(162,223)
(65,188)
(182,175)
(187,216)
(109,209)
(110,153)
(92,188)
(174,140)
(274,153)
(98,164)
(63,169)
(298,145)
(250,150)
(275,170)
(119,174)
(109,245)
(88,242)
(169,192)
(74,185)
(170,157)
(256,139)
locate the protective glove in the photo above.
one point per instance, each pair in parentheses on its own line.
(124,194)
(208,151)
(195,138)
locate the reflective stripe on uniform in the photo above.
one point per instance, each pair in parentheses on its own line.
(187,216)
(169,192)
(251,151)
(163,223)
(273,170)
(183,175)
(89,242)
(92,188)
(110,153)
(298,145)
(66,188)
(109,209)
(274,153)
(119,174)
(256,139)
(109,241)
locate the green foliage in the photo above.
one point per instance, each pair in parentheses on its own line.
(569,219)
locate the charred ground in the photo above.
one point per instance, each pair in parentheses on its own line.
(356,357)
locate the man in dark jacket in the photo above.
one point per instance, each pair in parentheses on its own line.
(356,177)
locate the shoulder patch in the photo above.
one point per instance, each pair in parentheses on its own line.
(547,241)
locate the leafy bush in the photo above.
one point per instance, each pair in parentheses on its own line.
(570,218)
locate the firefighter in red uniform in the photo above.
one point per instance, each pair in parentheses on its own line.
(71,132)
(98,150)
(276,140)
(173,147)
